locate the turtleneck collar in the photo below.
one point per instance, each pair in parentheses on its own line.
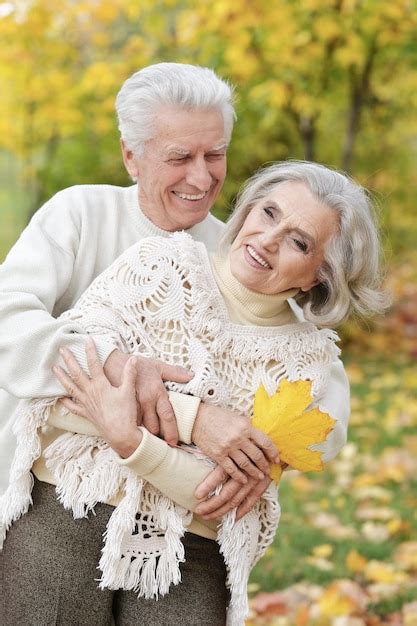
(248,307)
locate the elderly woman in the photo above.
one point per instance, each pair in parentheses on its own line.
(299,231)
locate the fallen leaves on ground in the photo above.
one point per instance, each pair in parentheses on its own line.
(346,550)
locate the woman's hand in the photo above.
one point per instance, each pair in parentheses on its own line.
(229,439)
(233,495)
(113,410)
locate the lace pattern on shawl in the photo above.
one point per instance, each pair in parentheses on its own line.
(162,301)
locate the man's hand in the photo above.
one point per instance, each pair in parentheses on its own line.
(154,406)
(231,441)
(233,495)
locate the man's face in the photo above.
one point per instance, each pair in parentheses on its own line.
(182,169)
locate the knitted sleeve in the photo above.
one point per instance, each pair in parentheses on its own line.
(34,276)
(174,471)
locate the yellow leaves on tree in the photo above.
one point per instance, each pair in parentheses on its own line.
(293,428)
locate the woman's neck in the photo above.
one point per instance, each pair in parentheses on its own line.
(248,307)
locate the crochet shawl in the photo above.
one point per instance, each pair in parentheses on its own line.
(160,299)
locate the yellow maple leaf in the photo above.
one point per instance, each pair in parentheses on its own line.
(355,562)
(292,428)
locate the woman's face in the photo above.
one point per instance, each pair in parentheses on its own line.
(282,241)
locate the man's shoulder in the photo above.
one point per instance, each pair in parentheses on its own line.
(81,197)
(79,202)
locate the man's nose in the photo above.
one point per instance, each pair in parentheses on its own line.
(198,175)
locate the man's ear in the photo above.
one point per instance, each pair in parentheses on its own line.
(129,160)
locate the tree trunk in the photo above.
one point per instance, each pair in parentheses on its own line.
(308,136)
(360,89)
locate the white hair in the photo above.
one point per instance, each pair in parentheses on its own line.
(350,274)
(177,85)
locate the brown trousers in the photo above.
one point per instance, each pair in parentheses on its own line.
(48,575)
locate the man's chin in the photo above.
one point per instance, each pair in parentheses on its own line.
(190,215)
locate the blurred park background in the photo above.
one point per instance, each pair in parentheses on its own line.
(327,80)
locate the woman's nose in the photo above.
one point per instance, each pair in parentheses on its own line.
(270,239)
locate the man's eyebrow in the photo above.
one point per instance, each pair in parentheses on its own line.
(177,150)
(221,146)
(183,152)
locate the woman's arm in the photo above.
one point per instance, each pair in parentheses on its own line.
(111,413)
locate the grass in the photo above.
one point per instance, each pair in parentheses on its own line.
(335,493)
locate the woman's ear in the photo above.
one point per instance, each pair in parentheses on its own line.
(310,286)
(129,161)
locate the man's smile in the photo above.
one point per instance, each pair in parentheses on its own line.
(190,196)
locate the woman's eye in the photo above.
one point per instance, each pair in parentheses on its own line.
(301,245)
(269,212)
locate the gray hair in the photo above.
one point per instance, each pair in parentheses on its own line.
(178,85)
(350,274)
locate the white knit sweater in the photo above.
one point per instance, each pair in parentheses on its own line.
(160,299)
(74,237)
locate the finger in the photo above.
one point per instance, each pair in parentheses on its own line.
(256,455)
(210,483)
(234,472)
(167,419)
(94,366)
(78,375)
(151,422)
(74,408)
(67,382)
(229,493)
(129,375)
(246,464)
(174,373)
(252,498)
(219,505)
(264,442)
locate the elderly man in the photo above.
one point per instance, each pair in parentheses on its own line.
(175,123)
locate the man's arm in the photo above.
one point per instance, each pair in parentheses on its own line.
(33,278)
(112,410)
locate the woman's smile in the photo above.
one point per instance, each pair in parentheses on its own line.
(255,259)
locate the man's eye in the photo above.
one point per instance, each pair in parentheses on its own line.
(215,157)
(301,245)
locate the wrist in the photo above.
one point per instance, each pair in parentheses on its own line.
(202,413)
(129,445)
